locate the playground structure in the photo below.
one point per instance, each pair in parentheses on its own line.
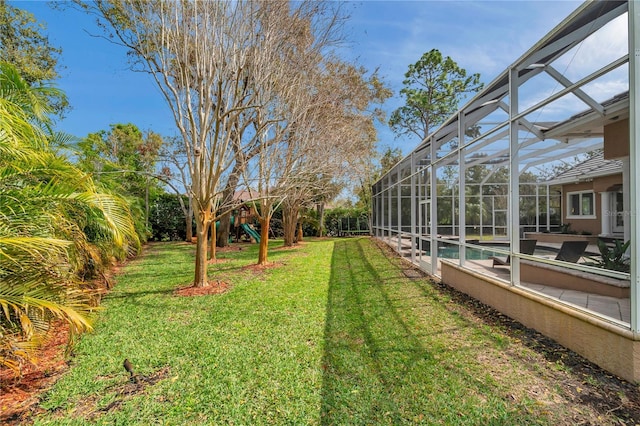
(246,216)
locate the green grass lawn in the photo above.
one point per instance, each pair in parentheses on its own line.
(335,334)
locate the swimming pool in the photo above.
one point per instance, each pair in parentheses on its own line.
(452,252)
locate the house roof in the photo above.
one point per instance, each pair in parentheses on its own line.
(593,167)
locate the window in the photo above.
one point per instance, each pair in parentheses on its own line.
(581,205)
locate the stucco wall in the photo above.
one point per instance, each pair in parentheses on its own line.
(599,184)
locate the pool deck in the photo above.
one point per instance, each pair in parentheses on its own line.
(618,309)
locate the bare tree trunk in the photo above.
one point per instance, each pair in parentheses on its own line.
(289,217)
(189,228)
(300,233)
(222,235)
(212,241)
(264,240)
(320,209)
(188,219)
(222,239)
(200,279)
(227,194)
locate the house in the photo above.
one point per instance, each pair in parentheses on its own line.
(592,196)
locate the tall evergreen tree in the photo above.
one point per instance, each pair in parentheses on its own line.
(433,89)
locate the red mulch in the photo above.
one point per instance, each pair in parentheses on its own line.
(214,287)
(260,268)
(19,394)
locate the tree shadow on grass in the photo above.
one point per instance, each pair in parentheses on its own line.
(381,365)
(368,344)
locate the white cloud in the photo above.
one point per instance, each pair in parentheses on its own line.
(603,47)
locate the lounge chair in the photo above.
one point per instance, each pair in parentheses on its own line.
(527,246)
(571,251)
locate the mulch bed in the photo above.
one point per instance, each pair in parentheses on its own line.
(214,287)
(20,394)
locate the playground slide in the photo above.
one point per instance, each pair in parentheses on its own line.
(252,232)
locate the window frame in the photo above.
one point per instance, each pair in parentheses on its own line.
(580,215)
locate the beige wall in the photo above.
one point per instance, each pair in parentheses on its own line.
(611,347)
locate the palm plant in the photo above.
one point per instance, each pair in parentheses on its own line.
(614,258)
(54,225)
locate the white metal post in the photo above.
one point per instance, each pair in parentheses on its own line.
(634,159)
(548,209)
(399,208)
(513,213)
(434,210)
(481,210)
(537,208)
(390,204)
(412,180)
(462,220)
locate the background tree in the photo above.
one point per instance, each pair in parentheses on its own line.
(23,44)
(123,159)
(341,131)
(329,192)
(433,89)
(167,217)
(368,172)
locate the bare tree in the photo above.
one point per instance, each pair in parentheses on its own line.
(209,59)
(342,127)
(301,33)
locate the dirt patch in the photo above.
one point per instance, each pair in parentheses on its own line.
(295,246)
(89,408)
(233,247)
(214,287)
(413,273)
(217,260)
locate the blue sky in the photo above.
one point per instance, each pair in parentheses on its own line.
(481,36)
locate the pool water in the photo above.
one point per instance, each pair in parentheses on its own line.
(470,253)
(452,252)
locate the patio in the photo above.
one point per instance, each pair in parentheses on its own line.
(615,308)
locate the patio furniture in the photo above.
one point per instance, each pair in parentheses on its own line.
(527,246)
(571,251)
